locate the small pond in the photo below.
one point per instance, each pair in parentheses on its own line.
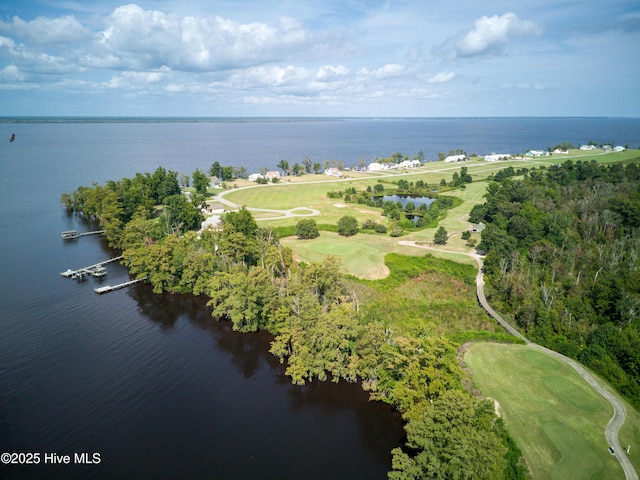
(404,199)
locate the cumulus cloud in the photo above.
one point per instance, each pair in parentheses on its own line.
(489,36)
(44,30)
(149,38)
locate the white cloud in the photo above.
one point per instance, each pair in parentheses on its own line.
(11,72)
(390,70)
(328,73)
(491,34)
(149,38)
(66,29)
(441,77)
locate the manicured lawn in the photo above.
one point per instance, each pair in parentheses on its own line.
(556,418)
(362,255)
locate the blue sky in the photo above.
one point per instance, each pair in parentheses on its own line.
(412,58)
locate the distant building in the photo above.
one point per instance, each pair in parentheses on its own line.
(375,167)
(478,228)
(587,147)
(494,157)
(333,172)
(272,174)
(214,208)
(254,177)
(536,153)
(619,148)
(405,164)
(456,158)
(214,182)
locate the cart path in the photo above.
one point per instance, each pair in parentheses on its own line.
(292,212)
(619,413)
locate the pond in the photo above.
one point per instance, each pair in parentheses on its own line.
(404,199)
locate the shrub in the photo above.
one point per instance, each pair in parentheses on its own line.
(307,229)
(396,231)
(347,226)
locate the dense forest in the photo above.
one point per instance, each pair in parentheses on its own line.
(326,326)
(563,246)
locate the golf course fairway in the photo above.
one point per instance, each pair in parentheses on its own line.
(556,418)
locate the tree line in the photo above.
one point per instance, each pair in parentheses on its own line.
(563,246)
(315,315)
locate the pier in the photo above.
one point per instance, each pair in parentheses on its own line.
(73,234)
(109,288)
(96,270)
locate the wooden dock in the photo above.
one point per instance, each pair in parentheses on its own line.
(109,288)
(96,270)
(73,234)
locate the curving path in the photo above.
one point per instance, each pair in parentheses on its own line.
(312,212)
(619,413)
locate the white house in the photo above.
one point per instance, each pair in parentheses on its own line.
(587,147)
(272,174)
(456,158)
(375,167)
(405,164)
(619,148)
(536,153)
(416,163)
(333,172)
(254,177)
(494,157)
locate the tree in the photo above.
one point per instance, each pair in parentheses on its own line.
(307,164)
(242,221)
(284,166)
(200,181)
(452,436)
(216,170)
(347,226)
(440,237)
(307,229)
(317,167)
(227,173)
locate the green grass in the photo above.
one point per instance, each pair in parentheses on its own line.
(425,294)
(362,255)
(556,418)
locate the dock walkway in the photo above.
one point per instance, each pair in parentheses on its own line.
(109,288)
(96,270)
(73,234)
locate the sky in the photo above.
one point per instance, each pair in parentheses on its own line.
(333,58)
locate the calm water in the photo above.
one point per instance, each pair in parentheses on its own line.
(152,382)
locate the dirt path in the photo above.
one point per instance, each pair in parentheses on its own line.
(619,413)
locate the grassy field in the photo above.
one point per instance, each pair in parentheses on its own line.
(365,258)
(556,418)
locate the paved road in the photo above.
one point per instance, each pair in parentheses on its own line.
(619,413)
